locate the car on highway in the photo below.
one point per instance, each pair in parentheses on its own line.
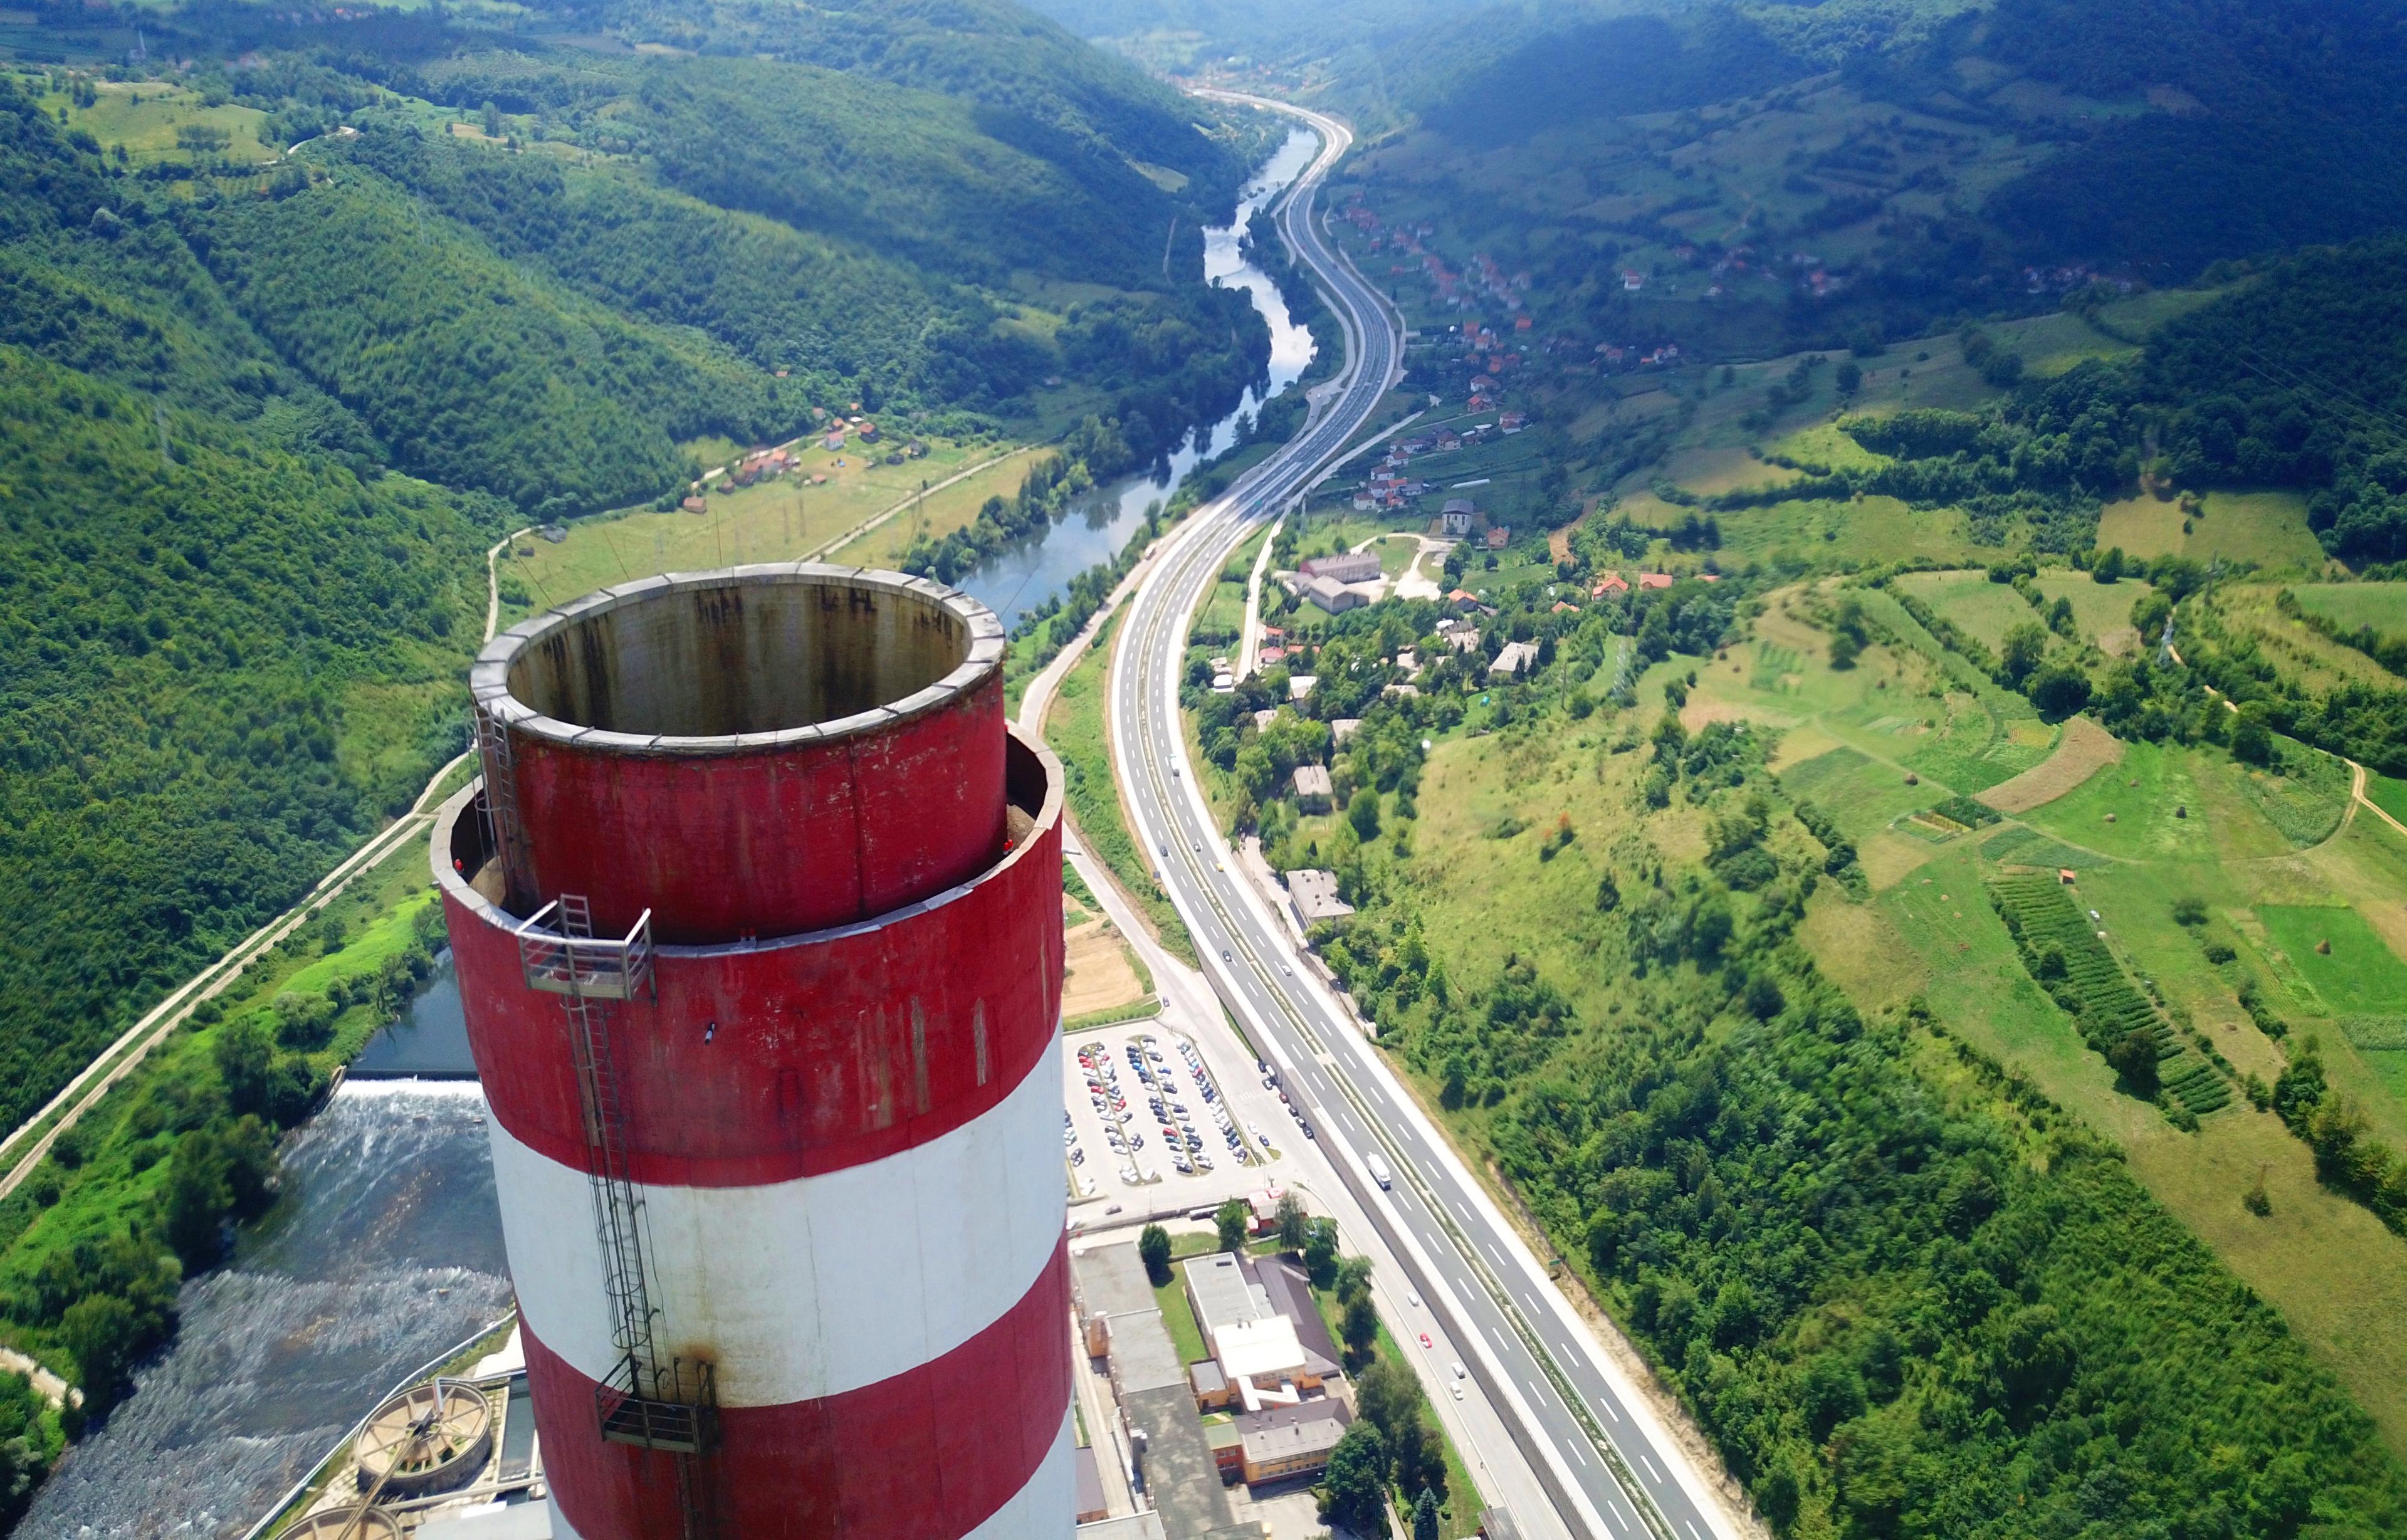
(1426,1342)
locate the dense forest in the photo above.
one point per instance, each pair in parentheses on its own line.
(261,420)
(2266,98)
(2299,380)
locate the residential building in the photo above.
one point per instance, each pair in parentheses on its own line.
(1313,788)
(1343,728)
(1609,585)
(1354,566)
(1222,1294)
(1285,1443)
(1513,659)
(1498,536)
(1332,596)
(1265,1362)
(1654,580)
(1313,896)
(1456,517)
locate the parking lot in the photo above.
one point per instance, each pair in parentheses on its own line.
(1147,1120)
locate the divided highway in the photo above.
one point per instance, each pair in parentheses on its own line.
(1612,1469)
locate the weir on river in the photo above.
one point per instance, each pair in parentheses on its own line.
(386,1246)
(385,1250)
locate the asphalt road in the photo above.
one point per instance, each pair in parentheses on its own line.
(1605,1459)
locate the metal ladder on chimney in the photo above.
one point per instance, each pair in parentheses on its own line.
(670,1406)
(504,833)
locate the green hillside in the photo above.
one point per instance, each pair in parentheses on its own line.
(1927,159)
(263,415)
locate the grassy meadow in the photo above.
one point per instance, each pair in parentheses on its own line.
(805,513)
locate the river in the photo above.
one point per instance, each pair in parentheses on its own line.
(1098,523)
(385,1248)
(384,1251)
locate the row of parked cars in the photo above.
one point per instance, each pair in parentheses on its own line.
(1111,1105)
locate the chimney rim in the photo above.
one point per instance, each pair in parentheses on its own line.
(489,676)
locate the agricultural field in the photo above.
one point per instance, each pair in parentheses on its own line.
(2316,662)
(1929,931)
(157,123)
(2349,605)
(1809,530)
(1864,745)
(784,519)
(2340,961)
(2102,612)
(2266,529)
(1980,608)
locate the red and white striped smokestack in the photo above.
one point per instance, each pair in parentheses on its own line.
(757,920)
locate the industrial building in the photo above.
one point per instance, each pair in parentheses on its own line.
(756,911)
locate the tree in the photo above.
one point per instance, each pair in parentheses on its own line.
(1364,814)
(1153,1249)
(1354,1488)
(1425,1521)
(1321,1252)
(2059,690)
(1847,633)
(1291,1223)
(2020,653)
(104,1335)
(1850,377)
(2135,1060)
(2109,568)
(1416,1459)
(195,1202)
(1359,1325)
(245,1062)
(1385,1393)
(1231,1219)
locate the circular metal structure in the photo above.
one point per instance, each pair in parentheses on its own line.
(756,918)
(429,1438)
(832,738)
(345,1524)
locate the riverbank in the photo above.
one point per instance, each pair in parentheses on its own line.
(184,1147)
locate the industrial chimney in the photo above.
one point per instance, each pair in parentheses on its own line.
(756,918)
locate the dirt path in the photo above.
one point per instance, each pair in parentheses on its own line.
(2356,798)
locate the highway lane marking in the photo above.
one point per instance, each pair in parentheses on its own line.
(1493,1252)
(1607,1407)
(1656,1475)
(1575,1449)
(1691,1529)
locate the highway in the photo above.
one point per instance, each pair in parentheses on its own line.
(1606,1460)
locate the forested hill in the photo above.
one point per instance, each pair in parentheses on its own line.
(221,650)
(262,408)
(1035,84)
(1937,157)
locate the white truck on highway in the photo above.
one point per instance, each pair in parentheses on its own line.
(1379,1172)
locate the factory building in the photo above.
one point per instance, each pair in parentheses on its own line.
(756,912)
